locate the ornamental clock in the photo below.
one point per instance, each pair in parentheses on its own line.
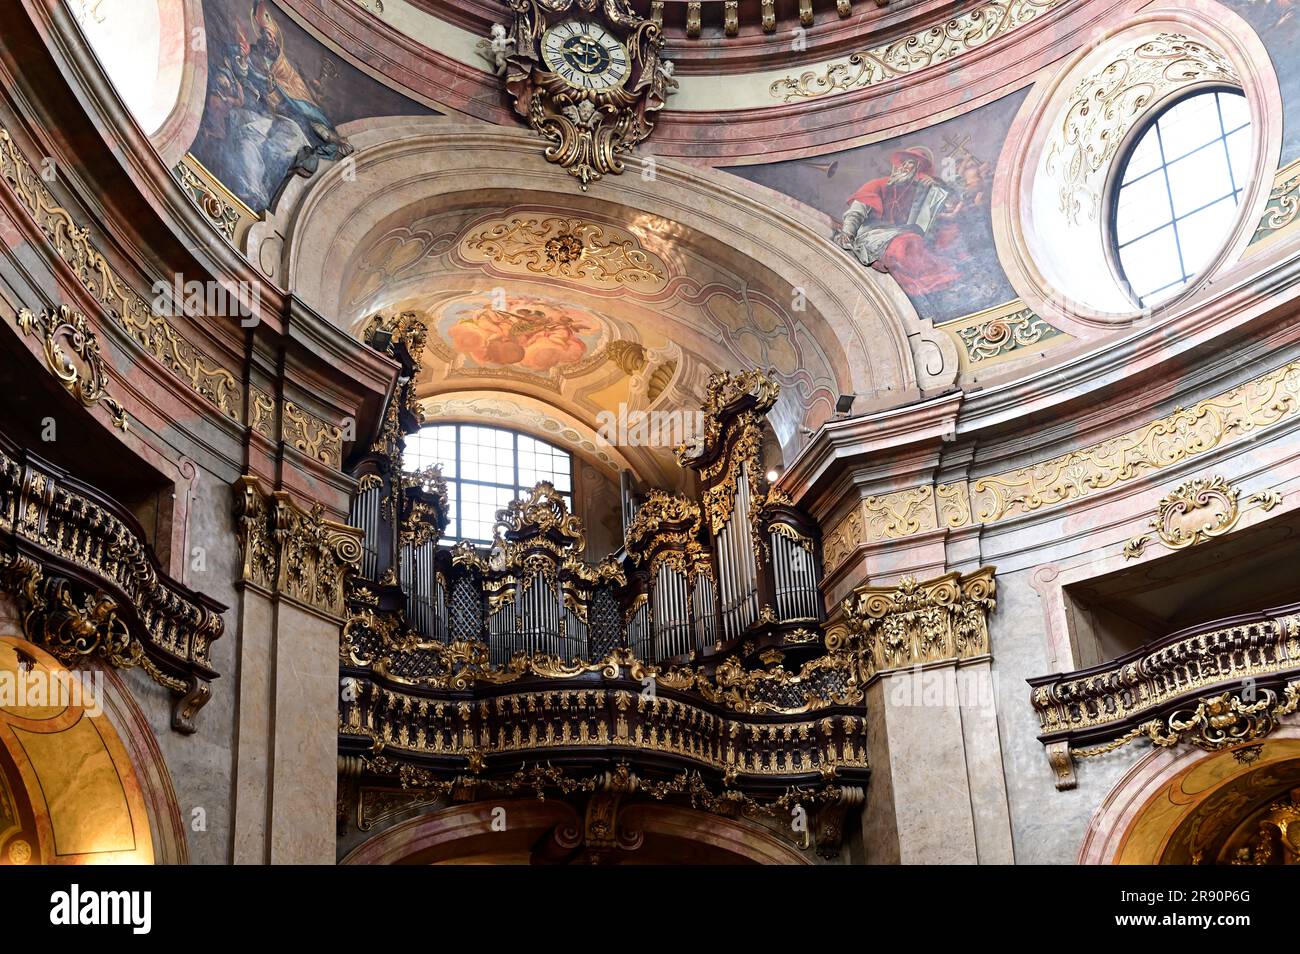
(585,55)
(585,74)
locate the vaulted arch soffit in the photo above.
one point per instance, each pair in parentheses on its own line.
(637,290)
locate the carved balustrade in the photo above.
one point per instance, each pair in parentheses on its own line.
(89,588)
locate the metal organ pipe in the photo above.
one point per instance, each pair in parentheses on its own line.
(365,514)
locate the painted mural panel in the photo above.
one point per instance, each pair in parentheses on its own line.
(1277,22)
(915,207)
(519,331)
(276,99)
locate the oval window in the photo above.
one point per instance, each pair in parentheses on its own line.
(1179,188)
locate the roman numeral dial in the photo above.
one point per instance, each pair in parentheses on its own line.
(585,55)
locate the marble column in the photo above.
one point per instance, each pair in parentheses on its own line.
(937,793)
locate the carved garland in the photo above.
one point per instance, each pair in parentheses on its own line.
(150,331)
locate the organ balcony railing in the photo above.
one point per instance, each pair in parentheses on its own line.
(465,666)
(1217,685)
(89,589)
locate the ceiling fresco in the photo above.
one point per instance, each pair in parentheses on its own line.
(590,315)
(915,207)
(276,101)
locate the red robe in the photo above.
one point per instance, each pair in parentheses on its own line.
(908,256)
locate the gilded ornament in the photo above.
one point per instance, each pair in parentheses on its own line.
(66,333)
(1004,335)
(1105,105)
(149,330)
(591,85)
(909,54)
(1196,511)
(566,247)
(915,622)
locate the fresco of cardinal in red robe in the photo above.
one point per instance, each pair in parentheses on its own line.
(896,224)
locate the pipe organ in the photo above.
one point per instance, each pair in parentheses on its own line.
(464,663)
(697,579)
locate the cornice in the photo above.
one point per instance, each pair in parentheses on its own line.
(927,422)
(713,53)
(766,128)
(1165,355)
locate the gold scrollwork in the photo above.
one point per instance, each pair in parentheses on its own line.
(932,46)
(293,551)
(151,331)
(566,247)
(314,437)
(1196,511)
(589,128)
(1109,101)
(65,331)
(1005,334)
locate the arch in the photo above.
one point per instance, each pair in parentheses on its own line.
(407,171)
(1183,805)
(464,834)
(81,777)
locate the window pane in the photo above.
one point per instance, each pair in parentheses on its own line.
(1235,109)
(1239,155)
(1204,233)
(1151,262)
(1199,179)
(1191,123)
(1144,159)
(1143,207)
(1204,170)
(486,482)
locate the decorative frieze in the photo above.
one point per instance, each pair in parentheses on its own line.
(592,254)
(909,54)
(225,213)
(900,514)
(151,331)
(315,438)
(295,552)
(916,622)
(1283,204)
(1237,414)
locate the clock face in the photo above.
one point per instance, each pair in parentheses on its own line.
(585,55)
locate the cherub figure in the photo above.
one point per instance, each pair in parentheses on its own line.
(497,48)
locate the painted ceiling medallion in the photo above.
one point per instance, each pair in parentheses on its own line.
(587,76)
(560,246)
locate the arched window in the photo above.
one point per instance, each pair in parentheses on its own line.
(486,468)
(1179,187)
